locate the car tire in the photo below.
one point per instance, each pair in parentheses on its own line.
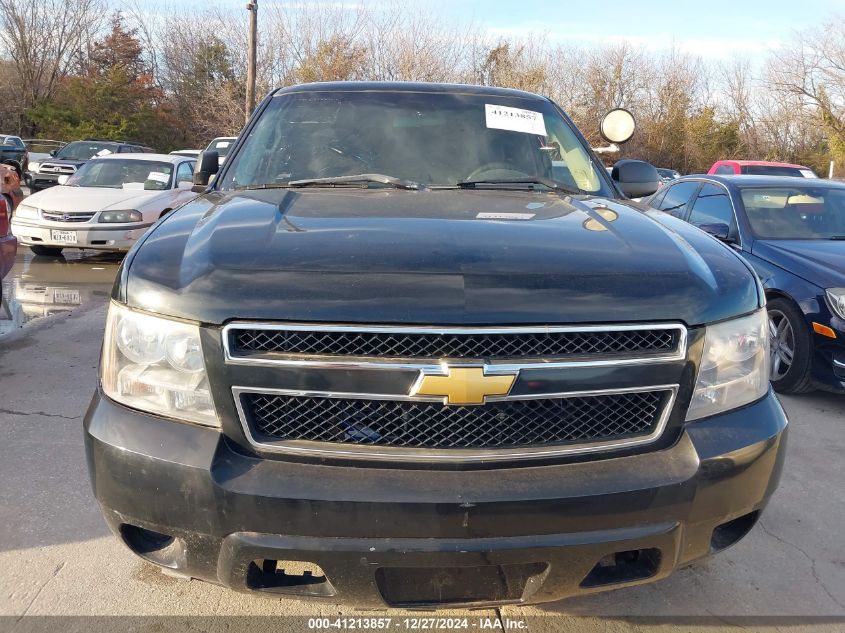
(791,348)
(47,251)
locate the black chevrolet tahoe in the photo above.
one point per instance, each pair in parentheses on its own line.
(413,347)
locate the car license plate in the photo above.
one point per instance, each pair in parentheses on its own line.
(63,237)
(66,295)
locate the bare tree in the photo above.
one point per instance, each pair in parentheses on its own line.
(44,38)
(812,69)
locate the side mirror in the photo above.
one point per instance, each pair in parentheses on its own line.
(718,230)
(635,178)
(53,152)
(207,165)
(63,179)
(617,126)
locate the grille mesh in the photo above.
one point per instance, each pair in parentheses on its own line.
(432,345)
(515,423)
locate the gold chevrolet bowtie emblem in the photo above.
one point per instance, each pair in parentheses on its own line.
(464,385)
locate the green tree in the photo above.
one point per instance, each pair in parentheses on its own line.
(116,99)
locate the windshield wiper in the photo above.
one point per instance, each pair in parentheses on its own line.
(337,181)
(528,180)
(391,181)
(837,238)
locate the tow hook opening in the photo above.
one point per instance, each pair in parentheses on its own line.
(728,533)
(627,566)
(160,549)
(288,576)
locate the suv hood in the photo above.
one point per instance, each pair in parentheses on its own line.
(431,257)
(821,262)
(63,161)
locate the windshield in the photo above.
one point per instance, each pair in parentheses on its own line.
(221,146)
(775,170)
(83,150)
(123,174)
(811,212)
(428,138)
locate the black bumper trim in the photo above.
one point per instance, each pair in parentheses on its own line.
(231,508)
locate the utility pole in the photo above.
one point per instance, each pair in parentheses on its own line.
(252,44)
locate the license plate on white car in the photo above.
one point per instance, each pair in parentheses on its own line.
(63,237)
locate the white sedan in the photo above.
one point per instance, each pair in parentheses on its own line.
(106,205)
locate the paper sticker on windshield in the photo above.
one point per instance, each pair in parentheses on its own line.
(103,152)
(222,144)
(158,176)
(504,216)
(807,173)
(514,119)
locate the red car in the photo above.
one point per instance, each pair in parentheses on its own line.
(759,168)
(10,197)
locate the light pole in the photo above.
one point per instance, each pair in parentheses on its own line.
(252,7)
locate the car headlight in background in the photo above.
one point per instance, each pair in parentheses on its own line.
(33,166)
(156,365)
(734,366)
(24,211)
(128,215)
(836,299)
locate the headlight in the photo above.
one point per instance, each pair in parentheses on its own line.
(734,366)
(156,365)
(129,215)
(836,298)
(34,166)
(26,211)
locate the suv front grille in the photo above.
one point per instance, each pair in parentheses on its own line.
(433,425)
(434,345)
(52,168)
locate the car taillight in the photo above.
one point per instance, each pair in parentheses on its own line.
(4,216)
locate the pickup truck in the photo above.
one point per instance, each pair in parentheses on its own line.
(13,152)
(413,346)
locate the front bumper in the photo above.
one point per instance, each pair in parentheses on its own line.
(95,236)
(409,537)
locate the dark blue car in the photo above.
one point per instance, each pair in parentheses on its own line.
(792,232)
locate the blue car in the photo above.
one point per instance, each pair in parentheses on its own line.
(792,232)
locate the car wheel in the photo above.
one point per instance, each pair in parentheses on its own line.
(47,251)
(790,348)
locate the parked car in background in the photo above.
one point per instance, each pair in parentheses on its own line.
(222,146)
(192,153)
(39,150)
(65,161)
(10,197)
(107,205)
(667,174)
(13,152)
(792,232)
(759,168)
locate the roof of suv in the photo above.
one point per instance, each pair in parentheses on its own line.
(408,86)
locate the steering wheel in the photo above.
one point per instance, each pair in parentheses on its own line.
(498,167)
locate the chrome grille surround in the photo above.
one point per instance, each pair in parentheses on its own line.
(310,442)
(52,168)
(67,216)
